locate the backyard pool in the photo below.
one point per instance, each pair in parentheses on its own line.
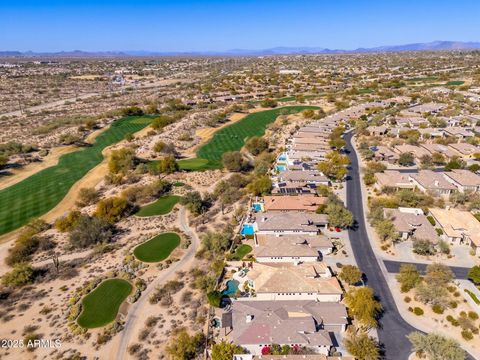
(281,167)
(282,157)
(257,207)
(232,287)
(247,229)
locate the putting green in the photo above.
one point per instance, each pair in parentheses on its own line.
(158,248)
(241,251)
(100,307)
(42,191)
(233,137)
(160,207)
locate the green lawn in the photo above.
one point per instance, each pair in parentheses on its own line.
(426,78)
(455,83)
(241,251)
(160,207)
(158,248)
(42,191)
(100,307)
(195,164)
(233,137)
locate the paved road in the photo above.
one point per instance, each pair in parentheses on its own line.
(393,329)
(134,312)
(394,267)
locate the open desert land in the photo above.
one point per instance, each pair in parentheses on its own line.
(133,218)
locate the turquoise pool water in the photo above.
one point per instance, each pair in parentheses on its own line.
(247,229)
(282,158)
(257,207)
(232,287)
(281,167)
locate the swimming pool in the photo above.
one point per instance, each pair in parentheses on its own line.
(257,207)
(232,287)
(247,229)
(281,167)
(282,157)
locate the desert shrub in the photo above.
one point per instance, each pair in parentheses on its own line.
(418,311)
(467,335)
(113,209)
(407,299)
(437,309)
(121,161)
(68,222)
(214,298)
(90,231)
(473,315)
(22,274)
(87,196)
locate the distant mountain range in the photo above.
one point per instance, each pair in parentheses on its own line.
(431,46)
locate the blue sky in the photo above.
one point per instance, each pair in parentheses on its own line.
(221,25)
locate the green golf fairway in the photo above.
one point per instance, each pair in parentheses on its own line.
(158,248)
(100,307)
(233,137)
(41,192)
(160,207)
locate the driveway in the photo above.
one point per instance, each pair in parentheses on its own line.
(134,313)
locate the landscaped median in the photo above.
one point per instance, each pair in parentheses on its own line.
(158,248)
(100,307)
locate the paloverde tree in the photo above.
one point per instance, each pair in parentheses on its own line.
(362,346)
(334,166)
(436,347)
(363,306)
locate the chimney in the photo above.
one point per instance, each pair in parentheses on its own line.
(436,182)
(249,318)
(264,219)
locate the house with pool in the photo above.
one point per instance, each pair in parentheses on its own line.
(314,177)
(291,248)
(290,223)
(292,281)
(293,203)
(255,325)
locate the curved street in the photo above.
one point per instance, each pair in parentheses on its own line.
(133,313)
(393,329)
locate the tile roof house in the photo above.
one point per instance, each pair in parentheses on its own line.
(290,357)
(377,130)
(412,223)
(288,188)
(393,179)
(256,324)
(459,226)
(432,182)
(459,132)
(308,176)
(464,180)
(293,203)
(416,151)
(291,248)
(438,148)
(287,281)
(384,153)
(465,150)
(292,222)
